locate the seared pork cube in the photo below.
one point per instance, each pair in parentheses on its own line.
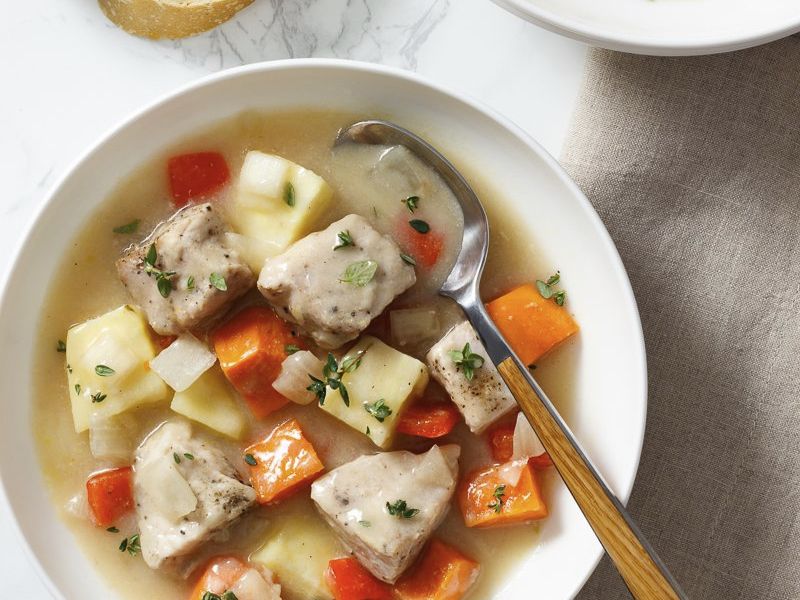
(186,492)
(184,273)
(384,507)
(472,382)
(334,282)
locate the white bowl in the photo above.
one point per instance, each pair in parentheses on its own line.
(664,27)
(611,385)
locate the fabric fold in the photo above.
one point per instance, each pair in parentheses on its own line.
(694,166)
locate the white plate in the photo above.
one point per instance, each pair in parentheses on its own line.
(664,27)
(611,376)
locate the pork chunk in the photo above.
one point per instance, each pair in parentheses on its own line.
(356,499)
(483,400)
(180,505)
(329,292)
(190,248)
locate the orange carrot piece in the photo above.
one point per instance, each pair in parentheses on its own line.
(424,248)
(481,491)
(348,580)
(501,442)
(429,420)
(285,461)
(220,574)
(196,175)
(164,341)
(251,347)
(443,573)
(541,462)
(110,495)
(532,325)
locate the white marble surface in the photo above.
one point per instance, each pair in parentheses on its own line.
(67,76)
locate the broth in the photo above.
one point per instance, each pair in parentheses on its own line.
(87,285)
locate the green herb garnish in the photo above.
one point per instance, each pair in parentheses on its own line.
(131,544)
(188,456)
(378,409)
(408,259)
(291,349)
(163,282)
(77,388)
(98,397)
(104,371)
(401,510)
(250,460)
(332,373)
(420,225)
(365,523)
(497,503)
(112,529)
(61,346)
(128,227)
(359,273)
(218,281)
(229,595)
(176,458)
(547,291)
(288,193)
(345,240)
(190,283)
(467,361)
(411,203)
(318,387)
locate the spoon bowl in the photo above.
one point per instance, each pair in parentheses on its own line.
(640,567)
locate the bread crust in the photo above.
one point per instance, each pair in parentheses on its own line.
(157,19)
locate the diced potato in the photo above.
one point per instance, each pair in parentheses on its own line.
(261,210)
(264,174)
(383,374)
(311,542)
(109,371)
(212,402)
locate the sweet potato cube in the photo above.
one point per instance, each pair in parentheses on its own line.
(251,347)
(285,461)
(443,573)
(532,325)
(486,499)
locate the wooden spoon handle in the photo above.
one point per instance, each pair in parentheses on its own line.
(641,569)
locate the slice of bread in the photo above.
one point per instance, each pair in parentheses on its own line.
(170,18)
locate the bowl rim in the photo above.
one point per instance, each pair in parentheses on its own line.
(638,44)
(627,302)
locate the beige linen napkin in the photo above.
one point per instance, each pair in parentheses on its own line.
(694,166)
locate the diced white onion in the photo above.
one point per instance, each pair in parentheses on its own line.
(171,494)
(510,472)
(182,362)
(252,586)
(111,436)
(412,325)
(526,442)
(294,376)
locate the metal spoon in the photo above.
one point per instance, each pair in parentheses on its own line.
(646,576)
